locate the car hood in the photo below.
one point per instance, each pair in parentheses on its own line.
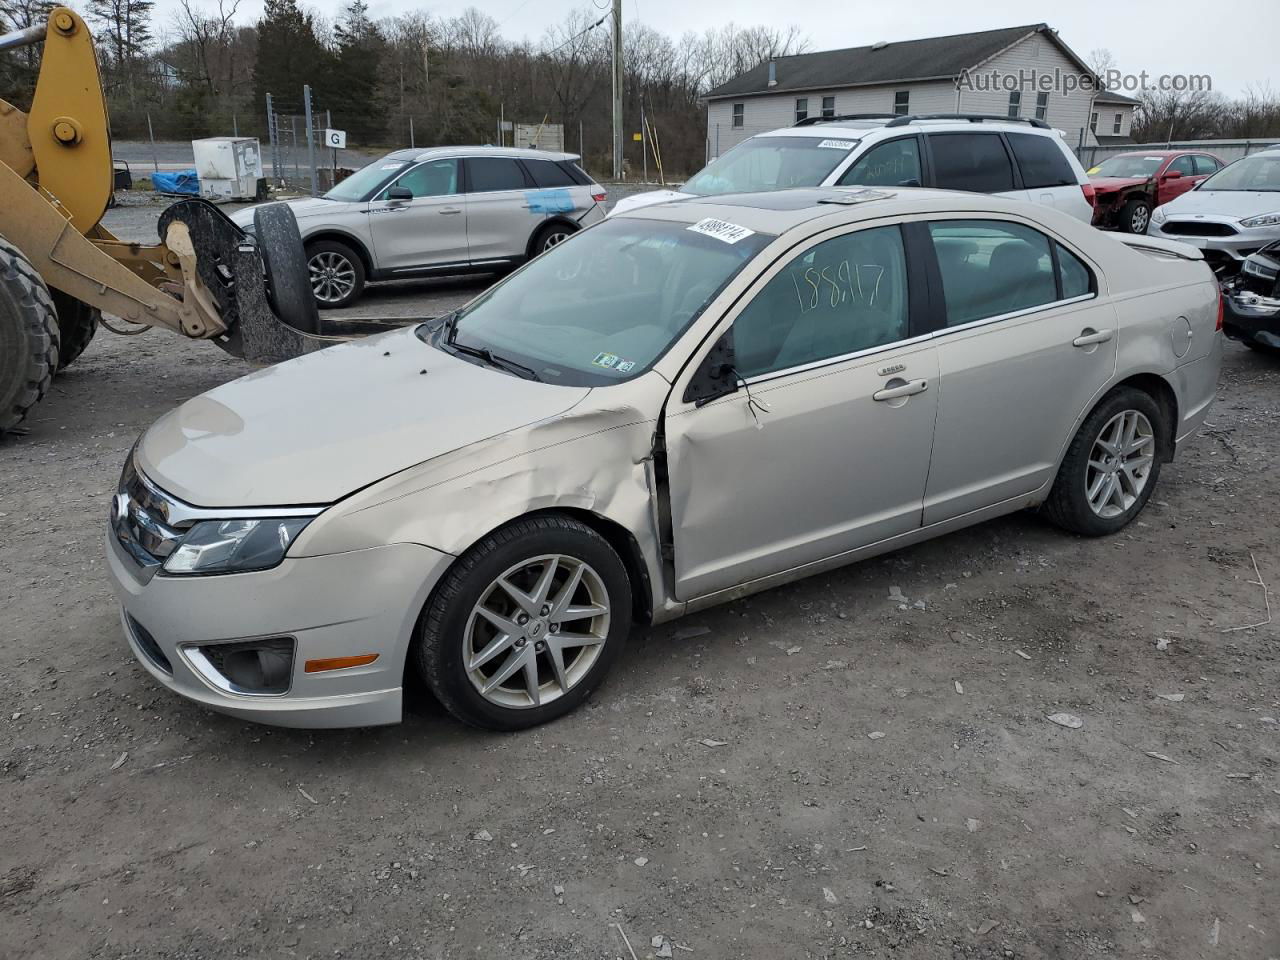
(303,208)
(314,429)
(1108,184)
(647,199)
(1235,204)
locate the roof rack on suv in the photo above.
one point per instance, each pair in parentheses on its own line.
(810,121)
(902,121)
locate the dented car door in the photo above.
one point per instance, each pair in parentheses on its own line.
(824,446)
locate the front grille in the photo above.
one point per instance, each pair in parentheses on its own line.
(141,520)
(147,644)
(1197,228)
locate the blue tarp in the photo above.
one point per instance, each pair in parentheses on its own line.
(182,182)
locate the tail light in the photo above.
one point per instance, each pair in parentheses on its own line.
(600,197)
(1221,308)
(1089,193)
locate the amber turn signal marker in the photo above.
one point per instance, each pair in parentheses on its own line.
(339,663)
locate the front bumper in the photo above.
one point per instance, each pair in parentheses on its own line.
(346,604)
(1227,251)
(1250,316)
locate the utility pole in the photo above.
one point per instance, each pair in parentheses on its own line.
(617,89)
(311,140)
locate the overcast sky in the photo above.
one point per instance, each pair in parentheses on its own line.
(1237,42)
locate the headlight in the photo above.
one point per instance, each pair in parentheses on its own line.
(234,546)
(1266,220)
(1159,216)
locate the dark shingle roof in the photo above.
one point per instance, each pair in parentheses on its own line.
(1107,96)
(932,58)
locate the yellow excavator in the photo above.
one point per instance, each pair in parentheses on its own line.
(61,270)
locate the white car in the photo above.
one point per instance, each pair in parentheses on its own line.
(681,406)
(1233,214)
(1020,159)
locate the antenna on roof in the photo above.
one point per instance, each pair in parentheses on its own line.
(773,73)
(879,44)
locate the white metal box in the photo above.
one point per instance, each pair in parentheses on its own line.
(229,167)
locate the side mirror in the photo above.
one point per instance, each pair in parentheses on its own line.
(1173,175)
(715,375)
(400,193)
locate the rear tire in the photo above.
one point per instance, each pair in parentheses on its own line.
(552,235)
(285,263)
(1112,465)
(1136,216)
(336,273)
(28,337)
(77,323)
(486,675)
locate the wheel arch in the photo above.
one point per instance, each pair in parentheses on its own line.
(1156,387)
(350,240)
(546,225)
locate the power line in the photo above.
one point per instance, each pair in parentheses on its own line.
(576,36)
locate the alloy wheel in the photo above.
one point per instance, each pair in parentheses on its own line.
(333,276)
(554,239)
(536,631)
(1120,464)
(1141,217)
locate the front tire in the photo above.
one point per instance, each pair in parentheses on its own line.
(1112,465)
(337,274)
(525,625)
(29,337)
(1136,216)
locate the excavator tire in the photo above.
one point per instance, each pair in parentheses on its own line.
(77,323)
(28,337)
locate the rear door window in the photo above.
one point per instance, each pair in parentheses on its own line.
(1206,165)
(487,174)
(547,174)
(971,161)
(1041,161)
(991,267)
(895,163)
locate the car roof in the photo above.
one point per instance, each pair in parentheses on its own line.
(778,211)
(1153,153)
(428,153)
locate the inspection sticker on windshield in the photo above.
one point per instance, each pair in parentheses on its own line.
(838,144)
(611,361)
(721,230)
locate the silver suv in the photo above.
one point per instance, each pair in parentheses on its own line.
(444,210)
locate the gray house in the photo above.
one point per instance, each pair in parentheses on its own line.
(1025,71)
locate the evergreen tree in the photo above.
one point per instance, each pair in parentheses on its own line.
(290,54)
(123,31)
(354,96)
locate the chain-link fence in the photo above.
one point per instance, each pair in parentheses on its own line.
(298,159)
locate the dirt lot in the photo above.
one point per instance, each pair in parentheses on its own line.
(820,771)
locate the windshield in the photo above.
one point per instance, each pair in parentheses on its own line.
(770,163)
(1260,172)
(1130,166)
(602,307)
(365,180)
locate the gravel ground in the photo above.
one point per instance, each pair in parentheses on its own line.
(823,770)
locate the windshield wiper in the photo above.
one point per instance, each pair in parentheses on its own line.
(494,360)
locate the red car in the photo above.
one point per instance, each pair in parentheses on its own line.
(1128,186)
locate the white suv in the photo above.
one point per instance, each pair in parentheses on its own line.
(1023,159)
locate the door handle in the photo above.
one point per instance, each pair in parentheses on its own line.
(449,211)
(1089,337)
(908,389)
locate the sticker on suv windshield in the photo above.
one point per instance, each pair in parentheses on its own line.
(838,144)
(611,361)
(721,229)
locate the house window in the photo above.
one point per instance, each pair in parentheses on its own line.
(1115,126)
(1015,103)
(1042,106)
(901,102)
(802,108)
(828,107)
(1093,122)
(739,113)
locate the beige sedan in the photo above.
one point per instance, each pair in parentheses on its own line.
(678,407)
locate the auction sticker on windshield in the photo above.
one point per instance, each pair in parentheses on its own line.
(721,230)
(838,144)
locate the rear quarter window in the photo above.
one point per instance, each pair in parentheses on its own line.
(547,174)
(1041,161)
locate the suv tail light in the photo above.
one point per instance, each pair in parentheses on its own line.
(1221,308)
(600,197)
(1089,193)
